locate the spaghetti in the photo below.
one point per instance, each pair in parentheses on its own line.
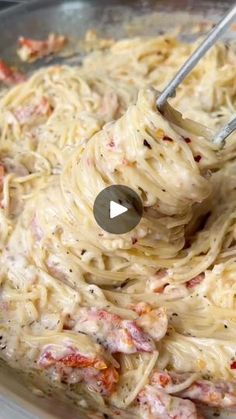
(144,321)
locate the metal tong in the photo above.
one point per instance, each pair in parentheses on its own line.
(191,62)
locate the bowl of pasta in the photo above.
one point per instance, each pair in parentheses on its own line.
(134,325)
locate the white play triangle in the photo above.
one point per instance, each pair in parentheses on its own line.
(116,209)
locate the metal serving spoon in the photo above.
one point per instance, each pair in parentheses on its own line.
(191,62)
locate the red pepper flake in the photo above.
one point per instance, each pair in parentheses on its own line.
(134,240)
(111,144)
(187,140)
(233,365)
(166,138)
(197,158)
(125,162)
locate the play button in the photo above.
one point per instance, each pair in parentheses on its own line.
(117,209)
